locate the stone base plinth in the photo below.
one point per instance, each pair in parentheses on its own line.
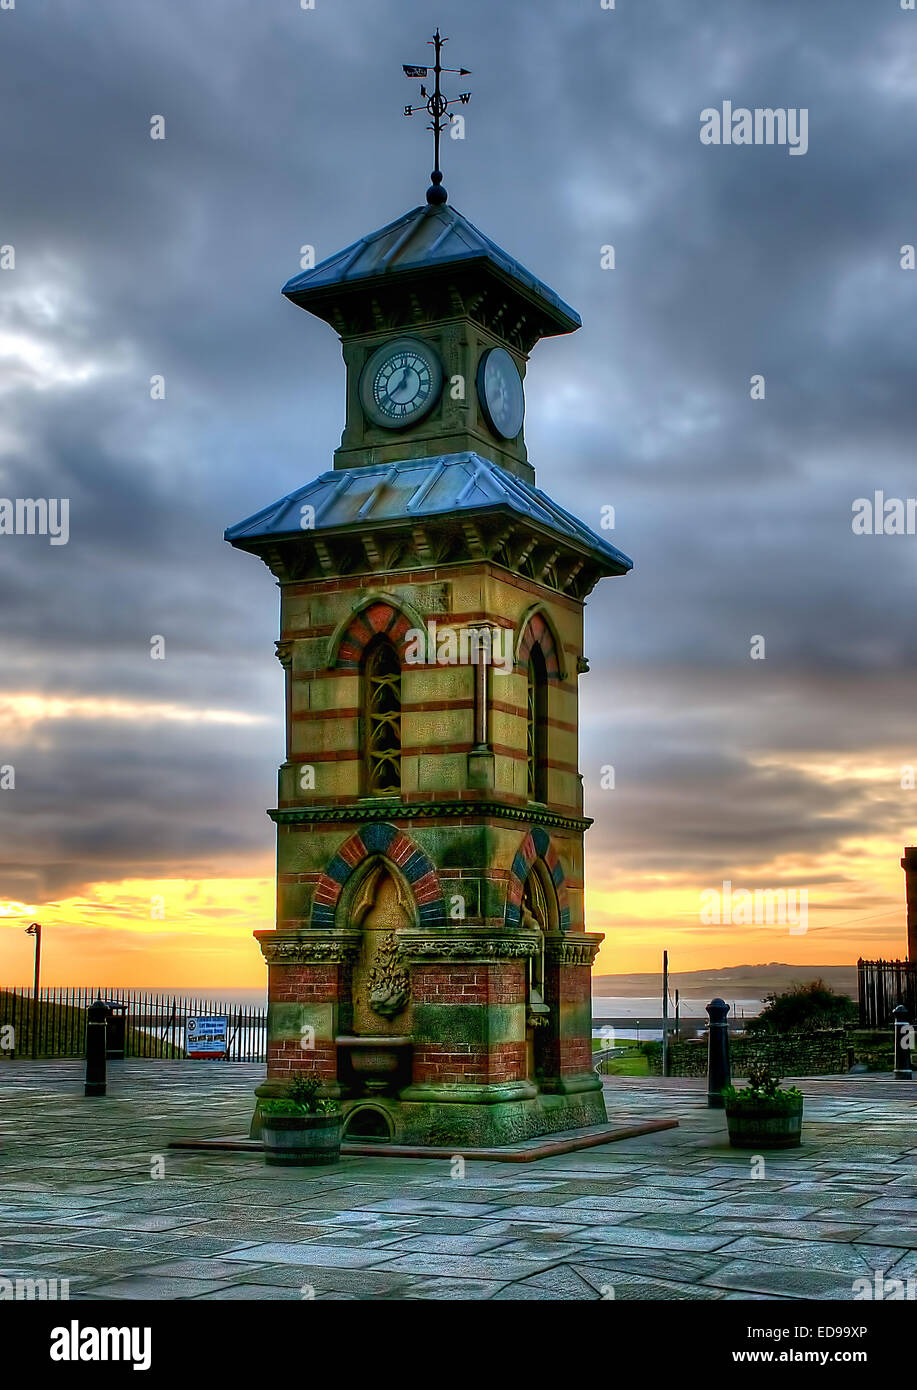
(481,1117)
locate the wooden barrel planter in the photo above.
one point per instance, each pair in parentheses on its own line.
(765,1126)
(302,1141)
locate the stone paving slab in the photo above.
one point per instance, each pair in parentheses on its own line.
(674,1214)
(653,1221)
(368,1282)
(754,1277)
(833,1232)
(683,1266)
(635,1206)
(449,1290)
(258,1293)
(493,1266)
(905,1237)
(634,1286)
(855,1260)
(338,1256)
(674,1239)
(449,1245)
(562,1282)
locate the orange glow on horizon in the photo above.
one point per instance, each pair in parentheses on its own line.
(855,907)
(144,933)
(188,933)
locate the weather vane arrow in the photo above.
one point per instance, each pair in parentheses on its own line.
(438,106)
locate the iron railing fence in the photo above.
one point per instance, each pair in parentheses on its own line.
(143,1024)
(881,986)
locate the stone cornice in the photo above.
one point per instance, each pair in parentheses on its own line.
(515,544)
(426,810)
(309,947)
(572,948)
(469,943)
(331,947)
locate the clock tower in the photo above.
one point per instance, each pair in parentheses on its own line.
(430,962)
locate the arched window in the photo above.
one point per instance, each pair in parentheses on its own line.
(382,719)
(538,726)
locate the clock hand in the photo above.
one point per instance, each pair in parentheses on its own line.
(389,397)
(390,393)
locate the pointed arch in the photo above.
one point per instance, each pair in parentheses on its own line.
(536,847)
(538,658)
(359,894)
(376,614)
(537,629)
(539,895)
(387,842)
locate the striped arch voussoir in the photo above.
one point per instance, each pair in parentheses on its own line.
(536,845)
(538,633)
(375,620)
(390,843)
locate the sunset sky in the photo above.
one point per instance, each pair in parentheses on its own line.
(136,829)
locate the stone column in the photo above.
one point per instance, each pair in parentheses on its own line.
(909,865)
(481,757)
(309,1004)
(565,1055)
(284,651)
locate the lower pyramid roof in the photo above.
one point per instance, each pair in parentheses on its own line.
(418,489)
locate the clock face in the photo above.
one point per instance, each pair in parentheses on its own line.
(500,393)
(401,382)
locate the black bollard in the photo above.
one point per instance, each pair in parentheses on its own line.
(96,1046)
(903,1035)
(719,1075)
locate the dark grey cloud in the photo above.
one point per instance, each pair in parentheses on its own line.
(283,127)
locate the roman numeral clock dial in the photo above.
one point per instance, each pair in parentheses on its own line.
(401,383)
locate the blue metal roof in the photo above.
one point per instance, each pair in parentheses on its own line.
(428,237)
(414,489)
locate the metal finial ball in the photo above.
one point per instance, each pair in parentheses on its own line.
(436,194)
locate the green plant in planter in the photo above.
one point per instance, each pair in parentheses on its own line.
(763,1091)
(763,1115)
(302,1129)
(302,1099)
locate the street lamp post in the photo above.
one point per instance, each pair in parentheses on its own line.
(35,930)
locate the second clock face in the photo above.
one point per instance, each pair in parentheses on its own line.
(401,382)
(500,393)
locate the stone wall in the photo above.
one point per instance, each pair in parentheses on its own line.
(873,1048)
(800,1054)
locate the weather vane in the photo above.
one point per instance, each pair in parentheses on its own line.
(438,106)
